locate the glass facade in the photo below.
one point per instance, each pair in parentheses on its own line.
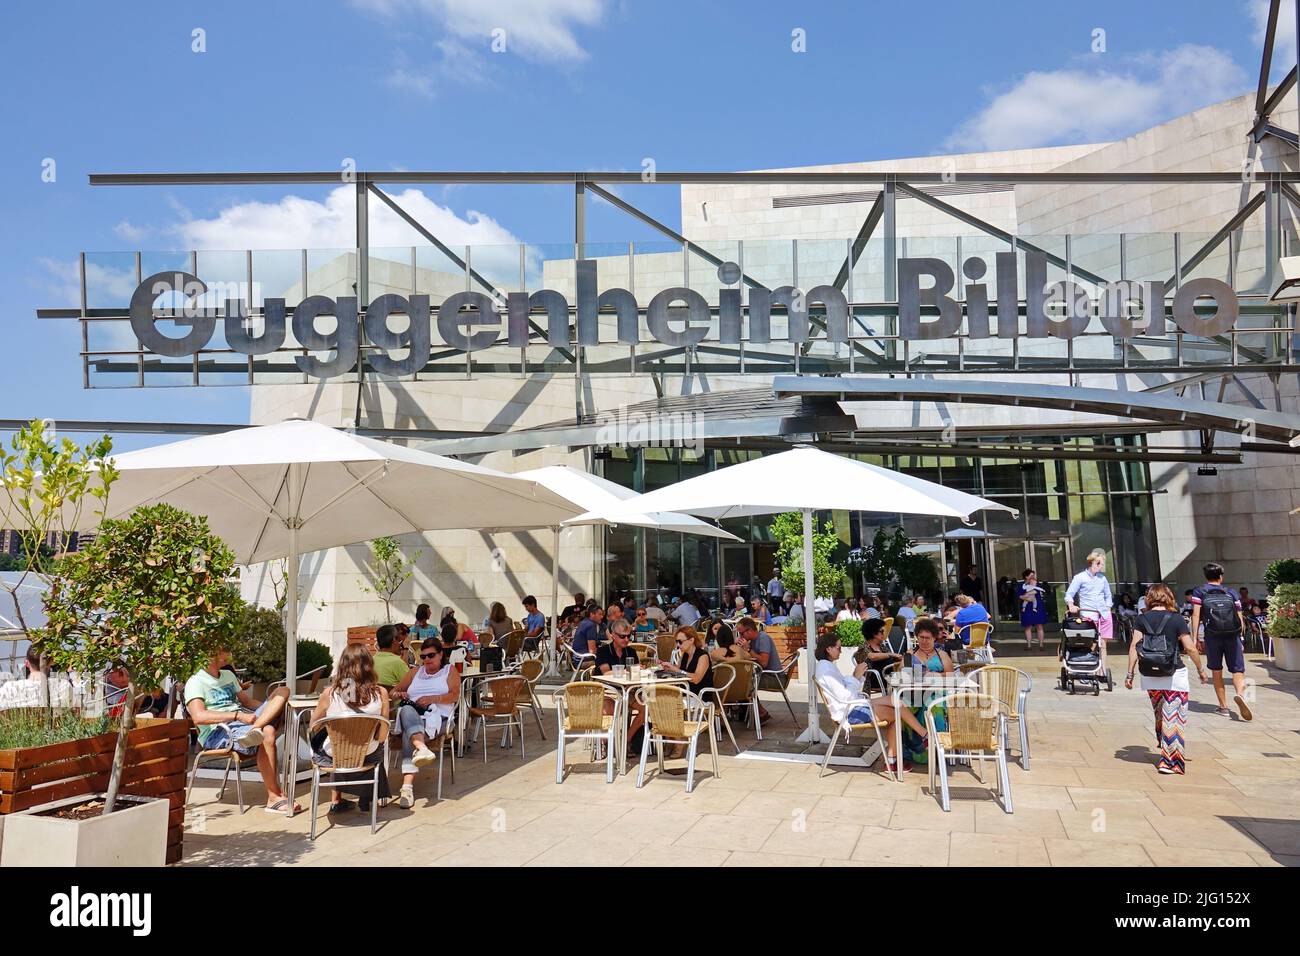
(1066,507)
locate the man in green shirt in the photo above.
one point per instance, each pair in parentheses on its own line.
(389,668)
(227,715)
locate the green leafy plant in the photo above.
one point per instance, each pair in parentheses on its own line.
(311,655)
(150,595)
(890,557)
(828,576)
(46,484)
(258,643)
(1282,571)
(25,727)
(387,571)
(1284,611)
(850,633)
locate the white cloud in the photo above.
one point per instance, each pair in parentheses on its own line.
(537,30)
(1284,42)
(297,223)
(131,233)
(1096,103)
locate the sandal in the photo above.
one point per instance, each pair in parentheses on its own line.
(342,806)
(280,806)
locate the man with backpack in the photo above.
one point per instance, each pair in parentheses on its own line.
(1219,611)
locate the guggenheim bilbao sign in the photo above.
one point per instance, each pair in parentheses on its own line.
(676,317)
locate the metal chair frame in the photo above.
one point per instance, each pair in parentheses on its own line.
(380,732)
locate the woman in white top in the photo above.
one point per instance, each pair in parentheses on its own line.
(354,690)
(428,694)
(841,692)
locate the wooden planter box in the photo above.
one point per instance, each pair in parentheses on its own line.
(364,635)
(155,767)
(788,640)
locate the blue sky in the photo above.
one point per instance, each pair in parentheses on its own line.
(580,84)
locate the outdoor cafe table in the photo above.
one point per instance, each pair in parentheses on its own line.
(298,707)
(626,684)
(932,687)
(470,674)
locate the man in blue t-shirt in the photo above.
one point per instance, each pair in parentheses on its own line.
(1219,610)
(534,623)
(587,634)
(972,612)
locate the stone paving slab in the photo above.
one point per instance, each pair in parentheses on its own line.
(1091,798)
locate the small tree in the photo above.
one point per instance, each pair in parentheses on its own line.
(828,577)
(149,594)
(387,571)
(46,484)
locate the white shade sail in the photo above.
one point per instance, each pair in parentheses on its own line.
(802,478)
(347,489)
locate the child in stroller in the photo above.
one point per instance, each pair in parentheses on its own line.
(1080,656)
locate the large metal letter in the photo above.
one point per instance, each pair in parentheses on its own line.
(911,297)
(520,304)
(343,339)
(1116,308)
(239,336)
(837,311)
(1077,311)
(415,338)
(588,321)
(1036,294)
(1008,295)
(144,323)
(1225,302)
(483,312)
(624,305)
(695,315)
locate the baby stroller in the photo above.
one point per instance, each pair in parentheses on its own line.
(1080,656)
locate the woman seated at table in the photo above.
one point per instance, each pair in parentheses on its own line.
(428,696)
(643,624)
(725,647)
(934,660)
(354,690)
(879,655)
(840,690)
(464,633)
(499,623)
(695,664)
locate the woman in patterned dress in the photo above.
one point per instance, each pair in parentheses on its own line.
(935,660)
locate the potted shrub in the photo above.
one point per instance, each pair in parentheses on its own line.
(149,595)
(311,655)
(257,647)
(1284,625)
(850,635)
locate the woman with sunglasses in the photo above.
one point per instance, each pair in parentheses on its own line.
(428,696)
(695,664)
(643,623)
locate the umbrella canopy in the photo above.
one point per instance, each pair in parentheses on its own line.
(802,479)
(594,493)
(282,490)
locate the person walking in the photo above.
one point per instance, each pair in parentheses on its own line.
(1219,610)
(1160,638)
(1089,595)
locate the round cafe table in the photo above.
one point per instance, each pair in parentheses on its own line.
(625,684)
(905,692)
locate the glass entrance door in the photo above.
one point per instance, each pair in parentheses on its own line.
(1008,564)
(1050,559)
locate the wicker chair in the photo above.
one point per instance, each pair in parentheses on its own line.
(1010,687)
(743,692)
(514,644)
(675,716)
(976,732)
(970,667)
(350,737)
(644,652)
(846,727)
(575,660)
(580,715)
(976,638)
(500,699)
(724,675)
(531,671)
(665,644)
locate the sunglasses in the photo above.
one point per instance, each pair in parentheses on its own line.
(430,656)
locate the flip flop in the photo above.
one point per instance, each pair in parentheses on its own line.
(281,805)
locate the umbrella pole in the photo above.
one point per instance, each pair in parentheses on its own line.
(813,735)
(554,669)
(291,588)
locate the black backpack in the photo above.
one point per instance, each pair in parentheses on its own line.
(1219,613)
(1157,654)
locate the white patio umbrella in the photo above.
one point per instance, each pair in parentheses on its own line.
(298,486)
(592,493)
(803,479)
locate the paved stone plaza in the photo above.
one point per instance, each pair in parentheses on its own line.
(1092,798)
